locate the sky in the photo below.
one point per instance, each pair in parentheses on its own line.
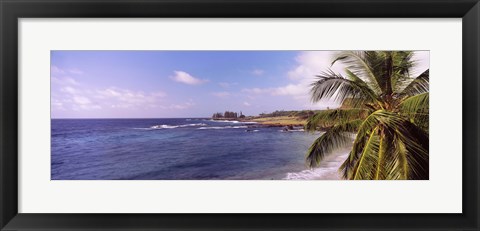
(181,84)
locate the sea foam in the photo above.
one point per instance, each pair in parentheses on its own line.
(327,170)
(330,173)
(165,126)
(225,121)
(225,127)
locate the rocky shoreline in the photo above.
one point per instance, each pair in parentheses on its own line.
(289,124)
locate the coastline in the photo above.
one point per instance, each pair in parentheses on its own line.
(327,170)
(277,121)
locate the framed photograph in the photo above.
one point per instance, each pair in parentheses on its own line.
(228,115)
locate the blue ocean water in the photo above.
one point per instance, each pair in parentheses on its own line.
(173,149)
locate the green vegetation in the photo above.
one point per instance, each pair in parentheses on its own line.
(303,114)
(227,115)
(384,106)
(283,118)
(280,121)
(276,118)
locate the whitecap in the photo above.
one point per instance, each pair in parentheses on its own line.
(165,126)
(225,127)
(295,130)
(192,125)
(225,121)
(238,126)
(207,128)
(252,130)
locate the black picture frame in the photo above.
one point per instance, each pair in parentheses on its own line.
(12,10)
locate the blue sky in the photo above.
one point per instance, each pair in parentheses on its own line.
(167,84)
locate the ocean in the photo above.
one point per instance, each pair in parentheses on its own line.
(177,149)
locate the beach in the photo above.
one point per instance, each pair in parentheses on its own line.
(327,170)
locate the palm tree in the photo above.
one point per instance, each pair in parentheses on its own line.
(388,114)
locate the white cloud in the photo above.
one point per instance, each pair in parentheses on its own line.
(81,100)
(257,90)
(68,89)
(184,77)
(59,71)
(124,98)
(64,81)
(82,103)
(58,104)
(78,98)
(75,71)
(312,63)
(291,89)
(56,70)
(246,104)
(309,64)
(110,92)
(158,94)
(183,106)
(222,94)
(258,72)
(226,85)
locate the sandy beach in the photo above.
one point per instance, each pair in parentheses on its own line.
(327,170)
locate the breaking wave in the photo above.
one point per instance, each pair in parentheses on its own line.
(225,127)
(165,126)
(295,130)
(233,121)
(224,121)
(313,174)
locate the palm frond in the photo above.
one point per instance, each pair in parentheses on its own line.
(336,137)
(362,64)
(333,86)
(346,168)
(415,104)
(413,139)
(415,86)
(373,87)
(328,118)
(402,65)
(384,153)
(417,146)
(366,165)
(367,126)
(397,166)
(403,62)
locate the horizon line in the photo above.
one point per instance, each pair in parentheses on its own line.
(131,118)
